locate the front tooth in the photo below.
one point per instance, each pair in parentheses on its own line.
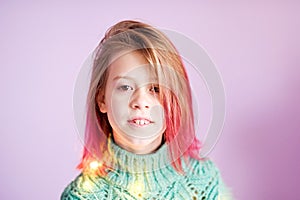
(141,122)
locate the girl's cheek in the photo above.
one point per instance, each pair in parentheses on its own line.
(119,102)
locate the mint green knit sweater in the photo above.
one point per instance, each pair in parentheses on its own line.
(148,177)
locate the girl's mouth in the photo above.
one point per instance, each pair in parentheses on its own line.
(140,122)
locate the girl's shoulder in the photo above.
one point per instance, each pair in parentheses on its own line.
(206,173)
(85,186)
(201,167)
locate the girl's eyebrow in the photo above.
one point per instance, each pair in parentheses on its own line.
(130,78)
(123,77)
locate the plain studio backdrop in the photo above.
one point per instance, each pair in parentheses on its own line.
(254,45)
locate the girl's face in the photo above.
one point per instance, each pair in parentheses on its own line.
(131,101)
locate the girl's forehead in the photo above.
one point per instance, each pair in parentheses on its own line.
(139,75)
(131,66)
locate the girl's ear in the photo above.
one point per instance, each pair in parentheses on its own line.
(101,102)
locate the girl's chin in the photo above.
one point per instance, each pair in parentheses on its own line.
(140,135)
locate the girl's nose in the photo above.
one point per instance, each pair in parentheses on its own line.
(140,99)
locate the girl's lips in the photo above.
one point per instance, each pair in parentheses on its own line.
(140,122)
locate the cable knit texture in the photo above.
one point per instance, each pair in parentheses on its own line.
(149,176)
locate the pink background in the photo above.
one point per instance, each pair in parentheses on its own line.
(255,46)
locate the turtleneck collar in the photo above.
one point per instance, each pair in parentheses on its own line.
(123,160)
(140,174)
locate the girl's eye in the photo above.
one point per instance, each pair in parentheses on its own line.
(125,88)
(154,89)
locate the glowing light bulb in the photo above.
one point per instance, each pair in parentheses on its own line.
(95,165)
(137,189)
(87,185)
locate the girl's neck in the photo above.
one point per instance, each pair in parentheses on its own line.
(138,146)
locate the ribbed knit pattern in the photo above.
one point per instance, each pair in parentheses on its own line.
(149,176)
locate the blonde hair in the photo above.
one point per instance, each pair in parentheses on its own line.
(128,36)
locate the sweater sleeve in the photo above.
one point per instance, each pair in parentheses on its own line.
(205,176)
(224,191)
(69,195)
(85,187)
(72,191)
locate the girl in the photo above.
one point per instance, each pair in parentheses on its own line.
(139,139)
